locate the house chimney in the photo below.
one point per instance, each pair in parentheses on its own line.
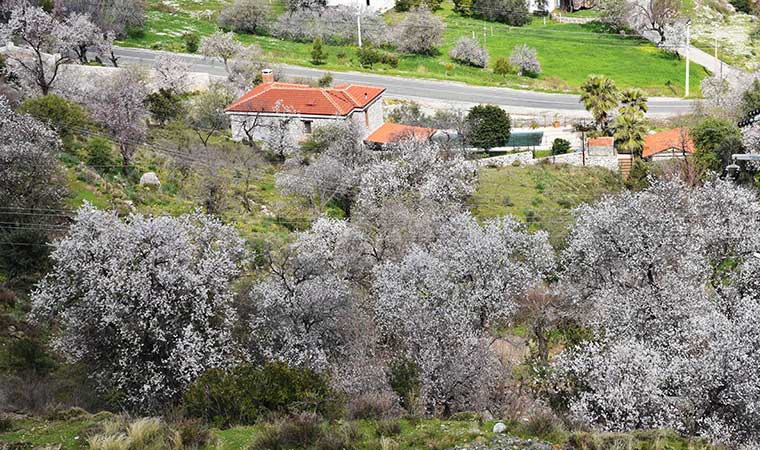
(267,76)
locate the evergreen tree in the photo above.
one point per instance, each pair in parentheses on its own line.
(488,126)
(318,55)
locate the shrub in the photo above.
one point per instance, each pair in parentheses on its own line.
(192,42)
(144,431)
(511,12)
(389,59)
(526,60)
(326,80)
(245,16)
(463,7)
(542,425)
(7,298)
(420,32)
(6,424)
(65,414)
(368,56)
(344,438)
(192,433)
(488,126)
(100,154)
(468,51)
(502,66)
(388,428)
(373,406)
(62,115)
(247,393)
(109,442)
(300,431)
(28,356)
(148,433)
(404,379)
(560,146)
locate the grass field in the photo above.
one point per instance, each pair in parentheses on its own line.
(568,52)
(434,434)
(541,195)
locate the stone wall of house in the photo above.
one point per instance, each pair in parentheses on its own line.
(297,127)
(374,117)
(371,119)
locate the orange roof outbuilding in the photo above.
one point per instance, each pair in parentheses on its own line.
(604,141)
(390,132)
(677,139)
(294,98)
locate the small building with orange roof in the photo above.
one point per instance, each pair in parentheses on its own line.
(388,133)
(674,143)
(302,108)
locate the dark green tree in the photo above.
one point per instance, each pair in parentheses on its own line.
(638,178)
(164,106)
(64,116)
(488,126)
(318,55)
(710,134)
(751,97)
(192,42)
(560,146)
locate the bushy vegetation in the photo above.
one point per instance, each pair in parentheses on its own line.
(246,394)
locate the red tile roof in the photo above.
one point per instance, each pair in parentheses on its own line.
(675,139)
(304,99)
(605,141)
(390,132)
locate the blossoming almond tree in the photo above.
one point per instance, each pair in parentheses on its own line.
(667,278)
(47,40)
(145,303)
(436,304)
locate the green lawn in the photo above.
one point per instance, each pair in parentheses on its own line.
(568,52)
(414,435)
(541,195)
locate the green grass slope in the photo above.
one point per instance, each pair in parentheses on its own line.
(542,196)
(568,52)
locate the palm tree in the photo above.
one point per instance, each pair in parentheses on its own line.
(634,99)
(629,131)
(600,96)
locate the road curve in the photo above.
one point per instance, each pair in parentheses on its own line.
(440,92)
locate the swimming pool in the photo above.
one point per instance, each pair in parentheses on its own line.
(525,139)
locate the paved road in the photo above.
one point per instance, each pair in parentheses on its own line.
(431,91)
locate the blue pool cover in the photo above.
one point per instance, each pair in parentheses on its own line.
(525,139)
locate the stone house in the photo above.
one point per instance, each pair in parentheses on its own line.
(302,108)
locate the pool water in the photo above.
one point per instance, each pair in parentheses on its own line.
(525,139)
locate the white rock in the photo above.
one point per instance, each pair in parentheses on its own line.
(499,427)
(149,179)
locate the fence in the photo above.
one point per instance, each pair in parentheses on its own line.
(577,20)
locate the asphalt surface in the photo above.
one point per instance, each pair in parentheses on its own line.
(440,93)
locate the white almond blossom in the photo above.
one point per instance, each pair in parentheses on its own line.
(668,279)
(144,303)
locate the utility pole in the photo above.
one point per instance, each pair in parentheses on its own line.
(359,22)
(716,53)
(688,46)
